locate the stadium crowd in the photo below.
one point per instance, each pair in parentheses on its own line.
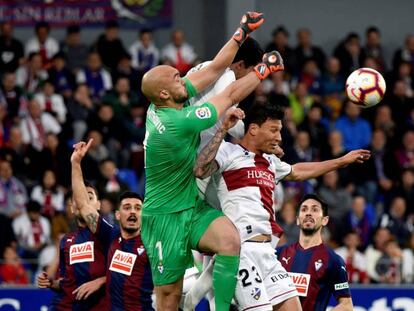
(53,94)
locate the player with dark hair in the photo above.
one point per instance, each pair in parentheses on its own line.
(246,174)
(82,262)
(317,271)
(174,219)
(128,274)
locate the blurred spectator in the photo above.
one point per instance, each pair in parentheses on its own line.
(287,220)
(135,123)
(125,69)
(29,76)
(280,43)
(336,147)
(60,75)
(145,55)
(313,125)
(36,125)
(401,106)
(109,46)
(121,98)
(339,200)
(179,53)
(32,231)
(277,88)
(383,120)
(109,185)
(406,53)
(11,49)
(300,102)
(349,54)
(306,50)
(375,250)
(408,261)
(405,189)
(12,271)
(76,52)
(389,265)
(333,87)
(64,222)
(7,235)
(356,131)
(51,102)
(312,77)
(355,261)
(12,96)
(360,220)
(302,151)
(404,72)
(80,106)
(96,154)
(396,221)
(107,211)
(49,195)
(97,78)
(13,195)
(42,43)
(405,154)
(373,47)
(114,136)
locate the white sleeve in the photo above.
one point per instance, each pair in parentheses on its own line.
(133,52)
(50,124)
(237,131)
(107,80)
(60,108)
(223,156)
(80,77)
(224,81)
(282,169)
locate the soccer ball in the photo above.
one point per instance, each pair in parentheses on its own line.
(365,87)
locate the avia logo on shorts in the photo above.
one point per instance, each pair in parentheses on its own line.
(340,286)
(122,262)
(301,281)
(81,253)
(203,113)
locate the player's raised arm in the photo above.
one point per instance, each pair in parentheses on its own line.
(205,164)
(80,195)
(203,78)
(306,170)
(238,90)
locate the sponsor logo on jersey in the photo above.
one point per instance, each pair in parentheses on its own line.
(318,264)
(301,281)
(81,253)
(256,293)
(123,262)
(340,286)
(203,113)
(140,250)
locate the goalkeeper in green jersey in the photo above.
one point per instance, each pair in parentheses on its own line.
(174,219)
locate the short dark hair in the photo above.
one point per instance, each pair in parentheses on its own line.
(279,29)
(72,29)
(250,52)
(259,113)
(314,196)
(130,195)
(42,25)
(372,29)
(33,206)
(111,24)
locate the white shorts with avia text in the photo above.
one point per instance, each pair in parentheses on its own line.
(262,282)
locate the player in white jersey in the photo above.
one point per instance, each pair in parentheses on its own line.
(247,174)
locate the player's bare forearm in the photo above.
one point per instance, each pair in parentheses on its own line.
(203,78)
(205,163)
(307,170)
(81,198)
(234,93)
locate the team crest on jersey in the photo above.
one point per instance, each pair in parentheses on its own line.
(140,250)
(81,253)
(301,281)
(256,293)
(123,262)
(203,113)
(318,264)
(160,268)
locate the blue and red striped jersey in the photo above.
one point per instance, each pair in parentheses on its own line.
(318,272)
(128,279)
(81,259)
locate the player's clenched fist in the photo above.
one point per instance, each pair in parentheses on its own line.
(272,62)
(249,22)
